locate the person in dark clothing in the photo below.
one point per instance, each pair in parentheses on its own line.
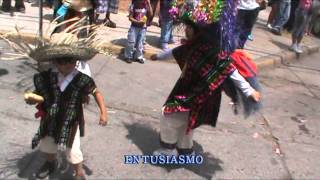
(248,12)
(19,6)
(274,4)
(289,25)
(154,5)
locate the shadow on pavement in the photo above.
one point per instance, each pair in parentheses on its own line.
(147,140)
(3,72)
(261,22)
(153,40)
(280,45)
(120,42)
(30,163)
(150,39)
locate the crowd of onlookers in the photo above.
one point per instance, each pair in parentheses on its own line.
(296,16)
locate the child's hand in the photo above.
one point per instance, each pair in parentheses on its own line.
(31,98)
(103,119)
(256,96)
(138,23)
(154,57)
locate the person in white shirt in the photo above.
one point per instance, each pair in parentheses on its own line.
(248,11)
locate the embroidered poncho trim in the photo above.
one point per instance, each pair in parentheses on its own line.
(63,110)
(198,88)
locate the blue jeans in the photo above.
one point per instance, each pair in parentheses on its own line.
(166,21)
(302,19)
(134,47)
(283,15)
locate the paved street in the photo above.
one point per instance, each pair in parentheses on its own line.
(236,149)
(267,49)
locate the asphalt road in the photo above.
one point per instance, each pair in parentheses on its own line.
(280,143)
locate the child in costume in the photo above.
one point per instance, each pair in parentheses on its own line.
(62,90)
(140,10)
(206,65)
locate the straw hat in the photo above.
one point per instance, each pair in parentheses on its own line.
(65,44)
(52,52)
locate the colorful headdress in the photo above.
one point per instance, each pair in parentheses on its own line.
(206,12)
(198,11)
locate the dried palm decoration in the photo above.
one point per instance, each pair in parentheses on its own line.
(63,44)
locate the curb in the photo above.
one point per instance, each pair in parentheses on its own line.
(284,57)
(266,62)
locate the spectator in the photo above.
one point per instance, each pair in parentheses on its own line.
(282,17)
(314,16)
(248,11)
(273,13)
(166,36)
(289,25)
(154,5)
(302,16)
(108,6)
(56,4)
(140,10)
(74,8)
(19,6)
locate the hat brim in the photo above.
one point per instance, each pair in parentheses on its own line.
(52,52)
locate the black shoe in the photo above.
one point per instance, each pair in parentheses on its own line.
(21,9)
(47,169)
(128,60)
(186,151)
(5,9)
(140,60)
(110,23)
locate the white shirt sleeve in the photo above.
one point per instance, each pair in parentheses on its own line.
(241,83)
(83,67)
(165,55)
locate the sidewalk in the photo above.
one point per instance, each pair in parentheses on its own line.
(267,49)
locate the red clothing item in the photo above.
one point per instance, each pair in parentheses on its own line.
(244,63)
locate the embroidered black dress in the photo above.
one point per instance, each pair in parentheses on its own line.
(63,110)
(198,90)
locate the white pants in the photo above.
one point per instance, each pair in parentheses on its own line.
(173,130)
(74,154)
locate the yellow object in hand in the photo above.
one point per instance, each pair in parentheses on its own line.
(145,19)
(33,97)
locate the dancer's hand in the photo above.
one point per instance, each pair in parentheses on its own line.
(103,119)
(256,96)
